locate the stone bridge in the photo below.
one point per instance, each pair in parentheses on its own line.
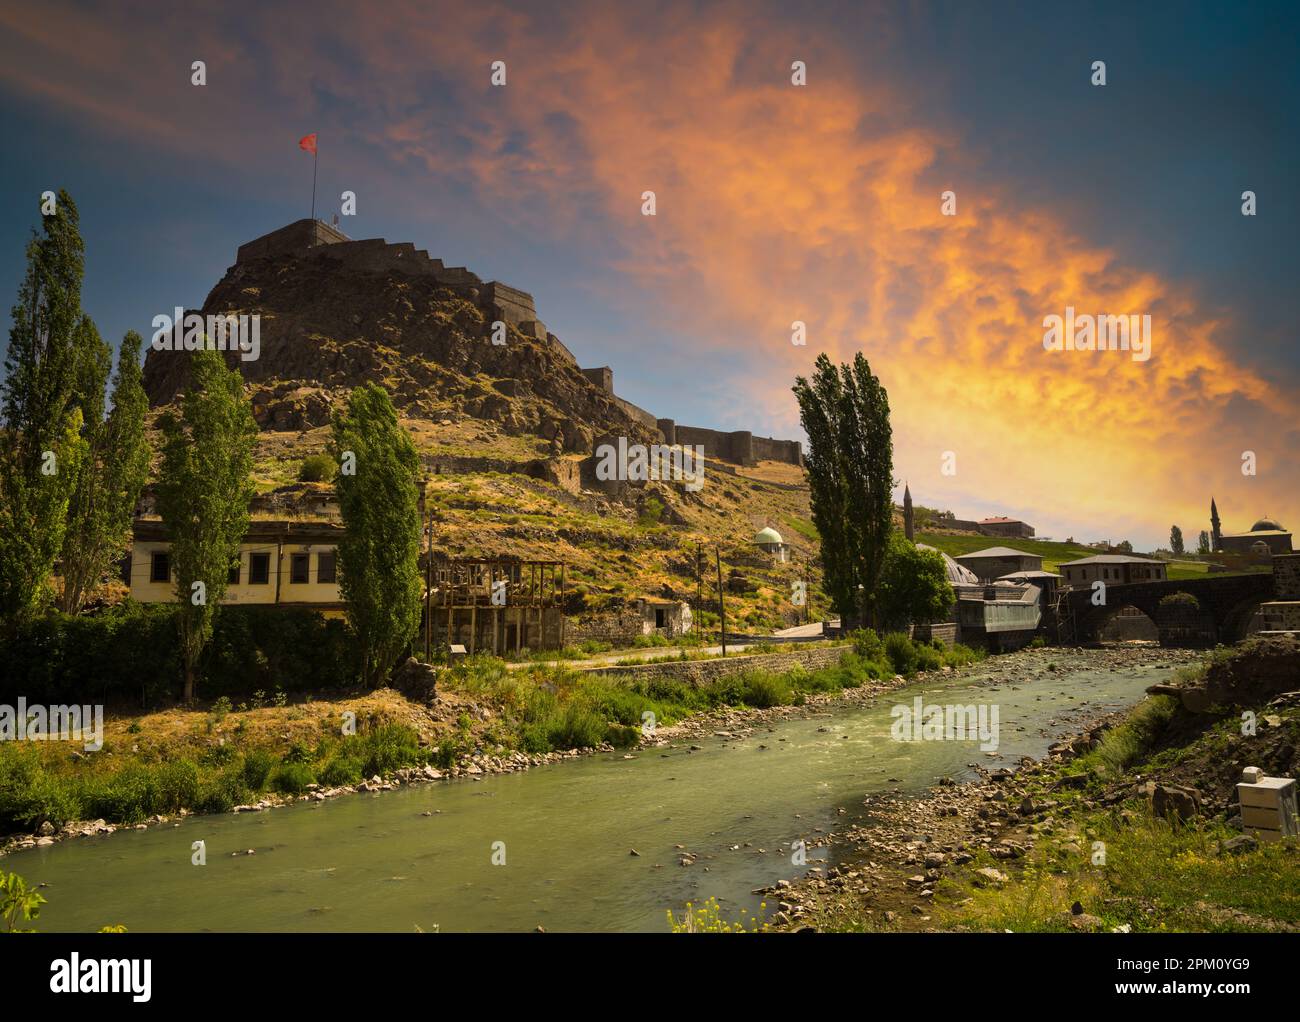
(1226,604)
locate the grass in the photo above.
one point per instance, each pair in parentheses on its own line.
(1156,876)
(36,787)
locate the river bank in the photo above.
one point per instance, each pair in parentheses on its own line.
(1128,825)
(482,719)
(606,841)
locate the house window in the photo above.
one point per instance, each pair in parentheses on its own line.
(325,566)
(259,569)
(160,569)
(232,576)
(298,568)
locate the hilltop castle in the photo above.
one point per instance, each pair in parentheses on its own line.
(314,239)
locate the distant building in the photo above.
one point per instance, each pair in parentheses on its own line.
(1266,537)
(1006,527)
(770,542)
(997,561)
(1112,568)
(280,562)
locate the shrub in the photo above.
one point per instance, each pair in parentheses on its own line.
(1179,601)
(901,653)
(927,657)
(761,689)
(176,786)
(258,764)
(622,736)
(222,792)
(577,727)
(317,468)
(387,747)
(867,644)
(341,770)
(292,778)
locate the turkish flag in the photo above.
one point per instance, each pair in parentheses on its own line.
(308,143)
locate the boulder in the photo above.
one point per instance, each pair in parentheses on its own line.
(1175,803)
(416,680)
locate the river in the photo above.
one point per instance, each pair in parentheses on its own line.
(422,857)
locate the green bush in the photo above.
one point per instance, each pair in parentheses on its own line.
(317,468)
(222,792)
(386,748)
(292,778)
(901,653)
(258,764)
(867,644)
(341,770)
(578,727)
(176,786)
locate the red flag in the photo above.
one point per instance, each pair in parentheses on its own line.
(308,143)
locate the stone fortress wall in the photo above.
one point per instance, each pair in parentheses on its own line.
(316,239)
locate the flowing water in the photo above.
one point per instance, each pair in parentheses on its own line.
(377,862)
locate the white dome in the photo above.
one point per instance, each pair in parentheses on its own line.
(768,536)
(958,574)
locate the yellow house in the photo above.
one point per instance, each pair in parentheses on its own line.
(292,564)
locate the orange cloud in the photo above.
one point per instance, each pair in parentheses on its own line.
(819,204)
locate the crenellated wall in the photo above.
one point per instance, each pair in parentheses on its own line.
(315,239)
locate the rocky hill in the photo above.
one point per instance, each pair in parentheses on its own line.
(504,430)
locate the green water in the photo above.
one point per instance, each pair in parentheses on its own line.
(375,862)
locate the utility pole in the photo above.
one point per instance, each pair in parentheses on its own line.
(722,606)
(428,595)
(699,577)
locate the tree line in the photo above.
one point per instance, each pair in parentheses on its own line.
(73,466)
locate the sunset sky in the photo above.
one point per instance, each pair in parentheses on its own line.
(775,203)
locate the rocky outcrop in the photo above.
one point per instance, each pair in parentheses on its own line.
(327,325)
(1254,674)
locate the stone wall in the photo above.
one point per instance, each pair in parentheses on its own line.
(701,672)
(1286,576)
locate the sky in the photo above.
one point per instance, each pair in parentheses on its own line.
(774,203)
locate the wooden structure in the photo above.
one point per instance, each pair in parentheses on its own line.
(498,604)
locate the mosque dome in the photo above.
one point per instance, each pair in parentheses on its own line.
(768,536)
(1266,525)
(958,575)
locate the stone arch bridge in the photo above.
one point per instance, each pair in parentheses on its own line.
(1226,605)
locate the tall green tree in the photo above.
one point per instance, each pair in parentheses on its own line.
(379,492)
(203,491)
(43,446)
(914,585)
(113,472)
(1176,539)
(850,464)
(1203,542)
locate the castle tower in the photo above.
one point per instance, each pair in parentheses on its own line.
(1216,534)
(907,513)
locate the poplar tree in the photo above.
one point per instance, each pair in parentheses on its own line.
(845,413)
(113,472)
(43,447)
(378,557)
(1176,539)
(203,491)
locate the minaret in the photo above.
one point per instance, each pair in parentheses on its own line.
(1216,536)
(907,513)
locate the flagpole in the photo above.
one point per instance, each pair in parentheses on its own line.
(315,155)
